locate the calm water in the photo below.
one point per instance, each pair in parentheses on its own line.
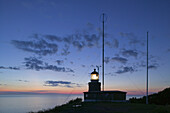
(27,103)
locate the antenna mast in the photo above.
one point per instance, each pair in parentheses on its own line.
(147,73)
(103,52)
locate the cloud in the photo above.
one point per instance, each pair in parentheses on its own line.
(56,68)
(65,51)
(125,70)
(35,64)
(50,44)
(111,74)
(168,50)
(91,40)
(153,63)
(90,26)
(71,62)
(2,84)
(133,39)
(83,65)
(107,60)
(79,45)
(61,84)
(59,62)
(119,59)
(140,64)
(53,38)
(68,39)
(128,35)
(116,43)
(152,66)
(11,68)
(40,47)
(92,65)
(129,53)
(23,80)
(77,40)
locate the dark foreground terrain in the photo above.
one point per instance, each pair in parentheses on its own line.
(76,106)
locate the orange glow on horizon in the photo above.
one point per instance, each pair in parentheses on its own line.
(73,91)
(40,91)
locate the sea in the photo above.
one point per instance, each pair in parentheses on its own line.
(25,103)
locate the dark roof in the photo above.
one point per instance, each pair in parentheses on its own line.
(94,72)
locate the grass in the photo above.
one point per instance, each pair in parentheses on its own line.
(107,107)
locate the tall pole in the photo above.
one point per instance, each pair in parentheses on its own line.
(103,54)
(147,73)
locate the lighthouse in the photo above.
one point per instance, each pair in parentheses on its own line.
(94,84)
(95,94)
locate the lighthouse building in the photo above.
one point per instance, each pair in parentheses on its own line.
(95,94)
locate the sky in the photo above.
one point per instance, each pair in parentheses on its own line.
(52,46)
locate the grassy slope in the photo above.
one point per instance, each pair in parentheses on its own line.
(110,108)
(161,97)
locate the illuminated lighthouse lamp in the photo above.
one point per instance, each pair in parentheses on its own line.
(94,75)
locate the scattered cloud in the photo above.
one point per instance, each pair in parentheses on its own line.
(68,39)
(153,62)
(11,68)
(53,38)
(111,74)
(79,45)
(65,50)
(59,62)
(90,26)
(83,65)
(133,39)
(119,59)
(3,84)
(168,50)
(92,40)
(116,43)
(50,44)
(107,60)
(92,66)
(40,47)
(154,66)
(140,64)
(23,80)
(125,70)
(61,84)
(77,40)
(127,53)
(71,62)
(128,35)
(35,64)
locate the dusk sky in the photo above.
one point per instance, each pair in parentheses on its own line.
(52,46)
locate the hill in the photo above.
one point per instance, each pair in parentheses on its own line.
(158,103)
(76,106)
(160,98)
